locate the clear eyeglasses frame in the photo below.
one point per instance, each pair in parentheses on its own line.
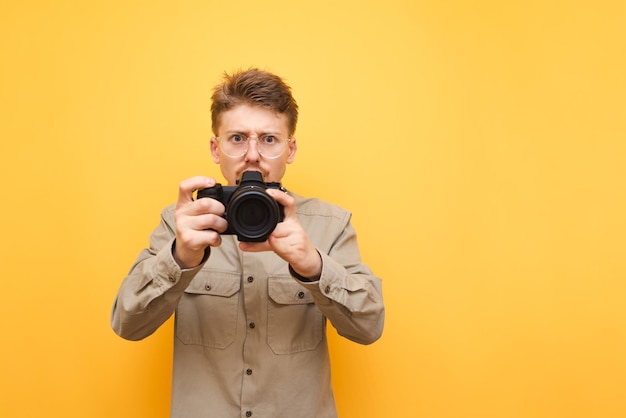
(235,145)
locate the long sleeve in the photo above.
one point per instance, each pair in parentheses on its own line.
(348,293)
(150,293)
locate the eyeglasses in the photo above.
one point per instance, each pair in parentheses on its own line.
(235,145)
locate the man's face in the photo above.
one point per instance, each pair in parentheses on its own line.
(252,122)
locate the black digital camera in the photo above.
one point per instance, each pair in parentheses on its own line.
(251,213)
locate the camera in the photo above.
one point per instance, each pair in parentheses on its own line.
(251,213)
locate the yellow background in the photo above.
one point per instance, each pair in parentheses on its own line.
(479,144)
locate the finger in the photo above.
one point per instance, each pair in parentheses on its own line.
(190,243)
(206,206)
(200,215)
(203,222)
(287,201)
(255,247)
(190,185)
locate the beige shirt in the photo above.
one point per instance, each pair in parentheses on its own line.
(250,338)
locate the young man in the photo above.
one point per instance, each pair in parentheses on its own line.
(250,323)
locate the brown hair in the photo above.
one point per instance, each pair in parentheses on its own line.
(254,87)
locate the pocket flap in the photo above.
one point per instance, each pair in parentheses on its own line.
(215,282)
(286,291)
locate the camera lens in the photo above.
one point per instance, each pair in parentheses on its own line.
(252,214)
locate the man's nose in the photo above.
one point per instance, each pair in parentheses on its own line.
(253,152)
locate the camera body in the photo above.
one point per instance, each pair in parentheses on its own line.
(251,213)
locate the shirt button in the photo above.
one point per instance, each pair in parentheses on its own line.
(250,279)
(301,295)
(327,289)
(249,372)
(171,278)
(207,287)
(252,325)
(248,413)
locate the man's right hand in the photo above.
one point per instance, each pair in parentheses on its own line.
(198,222)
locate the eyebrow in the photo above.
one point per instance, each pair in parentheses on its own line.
(247,133)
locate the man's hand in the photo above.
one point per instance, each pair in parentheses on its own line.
(198,222)
(289,240)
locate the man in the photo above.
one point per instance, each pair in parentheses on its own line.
(250,323)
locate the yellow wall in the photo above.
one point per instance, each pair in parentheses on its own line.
(480,145)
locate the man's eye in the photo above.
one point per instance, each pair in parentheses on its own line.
(237,139)
(270,139)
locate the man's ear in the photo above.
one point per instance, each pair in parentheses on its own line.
(293,147)
(214,152)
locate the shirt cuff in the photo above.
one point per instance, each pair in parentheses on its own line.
(302,278)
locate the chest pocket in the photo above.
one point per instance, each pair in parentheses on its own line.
(294,322)
(207,312)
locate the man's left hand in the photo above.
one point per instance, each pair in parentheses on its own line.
(289,240)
